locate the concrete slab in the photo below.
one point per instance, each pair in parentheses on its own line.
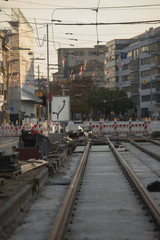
(59,181)
(101,148)
(40,217)
(79,149)
(37,224)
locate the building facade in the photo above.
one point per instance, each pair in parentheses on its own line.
(133,65)
(78,62)
(4,50)
(21,87)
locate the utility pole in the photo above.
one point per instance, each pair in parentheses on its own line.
(8,93)
(39,92)
(48,72)
(151,97)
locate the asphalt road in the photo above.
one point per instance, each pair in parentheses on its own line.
(6,143)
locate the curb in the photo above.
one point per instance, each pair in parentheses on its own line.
(13,205)
(20,200)
(40,180)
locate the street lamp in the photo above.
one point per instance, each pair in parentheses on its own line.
(56,20)
(73,39)
(37,59)
(48,72)
(19,48)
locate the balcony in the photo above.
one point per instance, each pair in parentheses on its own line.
(126,84)
(126,72)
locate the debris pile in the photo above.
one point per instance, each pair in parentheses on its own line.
(154,186)
(9,163)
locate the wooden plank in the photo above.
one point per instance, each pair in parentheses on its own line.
(32,164)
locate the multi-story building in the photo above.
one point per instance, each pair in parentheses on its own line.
(4,49)
(77,62)
(20,69)
(113,62)
(133,65)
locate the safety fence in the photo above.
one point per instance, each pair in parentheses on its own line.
(7,130)
(130,127)
(114,127)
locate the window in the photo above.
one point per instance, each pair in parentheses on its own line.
(150,72)
(78,62)
(129,54)
(157,98)
(144,49)
(125,78)
(155,59)
(146,98)
(79,53)
(93,53)
(153,47)
(135,54)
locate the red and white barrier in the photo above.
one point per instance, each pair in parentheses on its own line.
(131,127)
(122,127)
(108,127)
(102,128)
(145,126)
(115,126)
(16,130)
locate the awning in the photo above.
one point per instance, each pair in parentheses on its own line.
(28,96)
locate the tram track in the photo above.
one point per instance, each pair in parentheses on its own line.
(103,202)
(58,232)
(143,159)
(143,193)
(62,217)
(149,152)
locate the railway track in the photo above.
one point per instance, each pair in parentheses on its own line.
(107,197)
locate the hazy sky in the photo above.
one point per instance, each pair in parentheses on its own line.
(40,12)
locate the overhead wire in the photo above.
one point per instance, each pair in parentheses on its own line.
(109,23)
(66,7)
(38,40)
(97,21)
(35,3)
(98,8)
(59,23)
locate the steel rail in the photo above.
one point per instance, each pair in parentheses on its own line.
(152,154)
(151,205)
(59,226)
(155,142)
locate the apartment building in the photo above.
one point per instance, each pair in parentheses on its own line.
(21,89)
(133,65)
(4,49)
(77,62)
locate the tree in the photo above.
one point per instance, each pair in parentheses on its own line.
(104,101)
(78,91)
(55,88)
